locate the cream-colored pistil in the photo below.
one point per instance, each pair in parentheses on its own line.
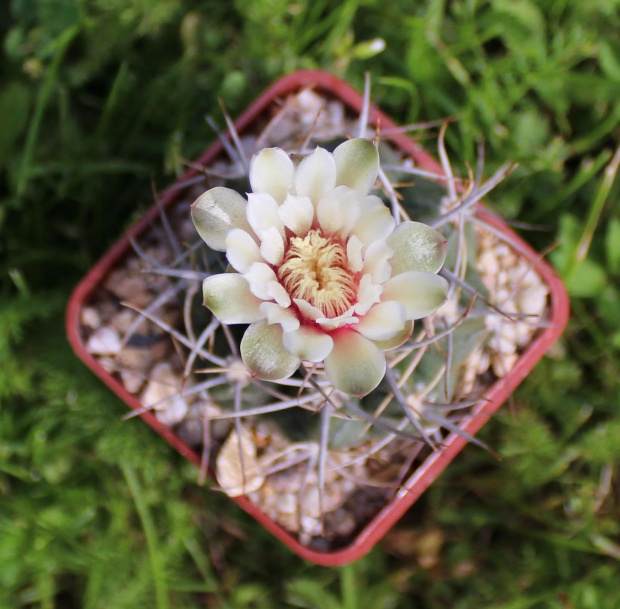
(315,269)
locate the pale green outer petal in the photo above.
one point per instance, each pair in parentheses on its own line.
(399,339)
(217,211)
(417,247)
(308,343)
(272,171)
(357,165)
(241,250)
(355,365)
(297,213)
(421,293)
(229,298)
(264,354)
(384,321)
(376,223)
(316,175)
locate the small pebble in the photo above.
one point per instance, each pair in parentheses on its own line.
(237,468)
(132,381)
(90,318)
(103,341)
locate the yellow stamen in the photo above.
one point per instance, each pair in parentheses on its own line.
(316,269)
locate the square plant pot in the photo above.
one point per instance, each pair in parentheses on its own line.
(328,486)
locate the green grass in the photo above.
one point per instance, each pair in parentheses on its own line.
(97,98)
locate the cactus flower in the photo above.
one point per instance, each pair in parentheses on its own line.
(323,272)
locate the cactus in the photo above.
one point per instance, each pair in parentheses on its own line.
(275,406)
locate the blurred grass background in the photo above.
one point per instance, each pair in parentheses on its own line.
(99,97)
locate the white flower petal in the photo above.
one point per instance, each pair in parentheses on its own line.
(258,277)
(217,211)
(384,321)
(368,293)
(308,343)
(275,314)
(421,293)
(356,365)
(241,250)
(297,213)
(262,214)
(264,354)
(333,323)
(417,247)
(316,175)
(272,245)
(376,261)
(354,254)
(357,165)
(307,310)
(279,294)
(338,210)
(271,171)
(375,223)
(228,297)
(351,211)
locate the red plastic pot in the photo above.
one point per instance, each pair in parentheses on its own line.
(423,476)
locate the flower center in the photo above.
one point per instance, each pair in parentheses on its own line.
(316,269)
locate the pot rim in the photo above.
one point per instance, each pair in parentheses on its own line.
(435,463)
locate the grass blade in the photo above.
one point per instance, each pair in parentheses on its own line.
(157,560)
